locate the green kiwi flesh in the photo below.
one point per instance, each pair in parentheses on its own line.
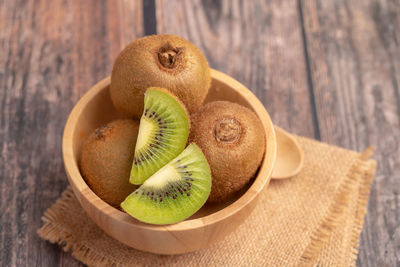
(173,193)
(163,133)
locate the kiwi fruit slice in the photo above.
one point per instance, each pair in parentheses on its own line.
(106,160)
(233,140)
(163,133)
(173,193)
(162,61)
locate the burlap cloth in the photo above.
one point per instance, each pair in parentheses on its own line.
(314,218)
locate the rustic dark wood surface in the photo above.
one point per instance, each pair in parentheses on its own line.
(324,69)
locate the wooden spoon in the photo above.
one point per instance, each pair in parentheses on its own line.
(289,157)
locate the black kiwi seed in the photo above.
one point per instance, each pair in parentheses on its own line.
(175,189)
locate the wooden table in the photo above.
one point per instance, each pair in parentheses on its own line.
(329,70)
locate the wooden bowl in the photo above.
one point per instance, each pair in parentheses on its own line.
(210,224)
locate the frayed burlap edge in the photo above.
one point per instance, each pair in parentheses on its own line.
(363,170)
(362,202)
(49,231)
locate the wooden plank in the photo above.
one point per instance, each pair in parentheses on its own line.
(52,52)
(354,53)
(259,43)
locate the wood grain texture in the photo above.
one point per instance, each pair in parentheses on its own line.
(52,52)
(354,54)
(344,89)
(256,42)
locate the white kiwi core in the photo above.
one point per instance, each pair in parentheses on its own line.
(146,126)
(162,177)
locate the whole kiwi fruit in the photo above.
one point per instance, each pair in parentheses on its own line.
(233,140)
(163,60)
(106,160)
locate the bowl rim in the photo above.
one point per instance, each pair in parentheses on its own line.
(79,185)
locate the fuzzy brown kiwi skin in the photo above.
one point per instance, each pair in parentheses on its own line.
(106,160)
(167,61)
(233,140)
